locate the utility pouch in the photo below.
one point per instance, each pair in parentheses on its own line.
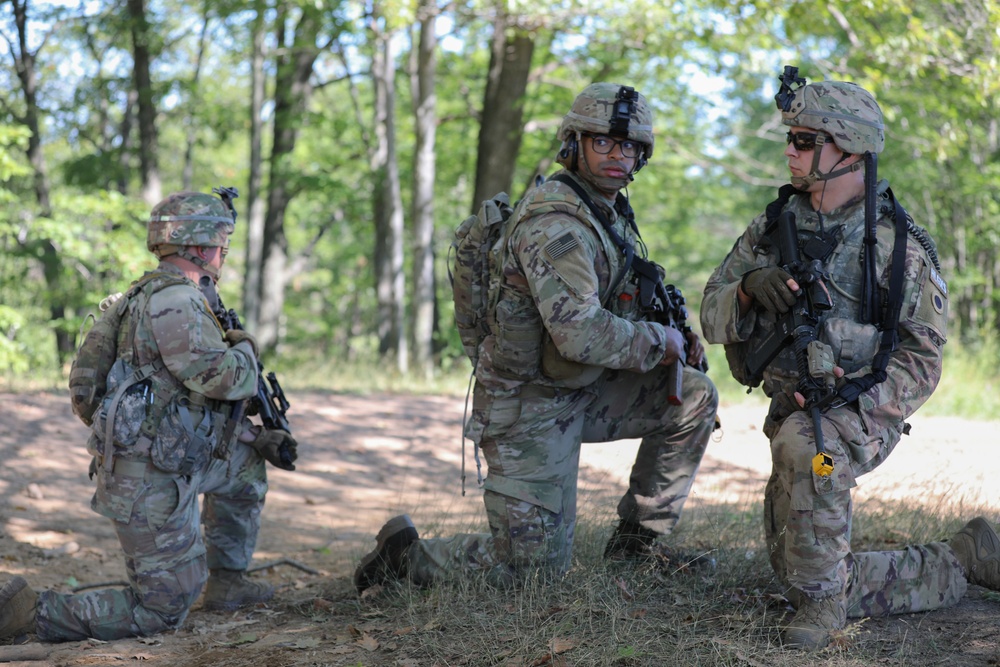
(518,348)
(185,437)
(129,412)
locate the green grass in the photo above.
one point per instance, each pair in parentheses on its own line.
(968,388)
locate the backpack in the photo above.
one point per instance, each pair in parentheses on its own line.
(88,374)
(473,265)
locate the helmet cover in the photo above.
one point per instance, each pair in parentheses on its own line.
(845,111)
(189,219)
(594,112)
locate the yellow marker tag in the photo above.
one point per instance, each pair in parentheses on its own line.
(823,464)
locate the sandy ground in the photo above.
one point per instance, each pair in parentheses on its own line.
(367,458)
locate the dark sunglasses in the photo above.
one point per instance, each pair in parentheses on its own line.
(805,141)
(604,145)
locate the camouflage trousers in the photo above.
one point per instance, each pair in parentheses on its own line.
(166,559)
(807,523)
(531,444)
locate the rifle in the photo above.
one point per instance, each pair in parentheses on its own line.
(797,328)
(665,304)
(269,402)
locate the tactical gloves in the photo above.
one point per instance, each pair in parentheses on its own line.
(272,443)
(769,288)
(234,336)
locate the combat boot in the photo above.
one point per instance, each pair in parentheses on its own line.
(388,560)
(630,541)
(633,542)
(814,622)
(18,602)
(228,590)
(977,548)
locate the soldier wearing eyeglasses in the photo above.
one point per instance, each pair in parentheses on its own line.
(882,332)
(572,358)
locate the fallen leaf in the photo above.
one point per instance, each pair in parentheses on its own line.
(367,642)
(561,645)
(372,591)
(626,593)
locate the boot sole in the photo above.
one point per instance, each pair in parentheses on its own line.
(398,531)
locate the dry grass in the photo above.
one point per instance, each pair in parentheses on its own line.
(614,614)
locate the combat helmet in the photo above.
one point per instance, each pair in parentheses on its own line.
(845,111)
(188,219)
(611,109)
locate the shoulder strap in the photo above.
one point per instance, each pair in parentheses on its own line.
(631,261)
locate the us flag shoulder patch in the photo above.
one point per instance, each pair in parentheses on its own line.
(562,245)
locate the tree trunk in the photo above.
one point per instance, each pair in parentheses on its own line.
(255,204)
(191,133)
(388,206)
(142,58)
(425,124)
(291,100)
(52,265)
(501,128)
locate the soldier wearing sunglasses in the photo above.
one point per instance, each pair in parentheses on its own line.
(881,332)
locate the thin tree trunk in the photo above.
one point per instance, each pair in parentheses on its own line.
(424,100)
(502,126)
(52,265)
(388,206)
(291,100)
(255,204)
(191,133)
(142,59)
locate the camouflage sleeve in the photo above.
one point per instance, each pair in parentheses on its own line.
(720,317)
(190,342)
(915,366)
(559,256)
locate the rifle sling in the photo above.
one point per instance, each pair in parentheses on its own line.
(631,261)
(850,391)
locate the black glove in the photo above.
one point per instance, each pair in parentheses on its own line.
(278,447)
(769,288)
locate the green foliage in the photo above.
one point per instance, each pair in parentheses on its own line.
(708,68)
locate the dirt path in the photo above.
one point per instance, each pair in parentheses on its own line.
(364,459)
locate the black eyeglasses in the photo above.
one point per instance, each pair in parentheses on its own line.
(605,145)
(805,141)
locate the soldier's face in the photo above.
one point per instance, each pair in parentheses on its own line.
(608,171)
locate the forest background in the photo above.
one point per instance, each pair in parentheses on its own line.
(360,134)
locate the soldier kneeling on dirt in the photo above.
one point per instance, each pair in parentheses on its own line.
(164,432)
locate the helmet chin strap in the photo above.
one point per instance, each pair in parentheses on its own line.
(212,272)
(803,182)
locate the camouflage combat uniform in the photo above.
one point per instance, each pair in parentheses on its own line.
(150,487)
(568,362)
(807,517)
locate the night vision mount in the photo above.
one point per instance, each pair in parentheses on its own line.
(790,77)
(621,112)
(227,195)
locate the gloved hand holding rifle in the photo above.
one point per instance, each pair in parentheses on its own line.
(274,442)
